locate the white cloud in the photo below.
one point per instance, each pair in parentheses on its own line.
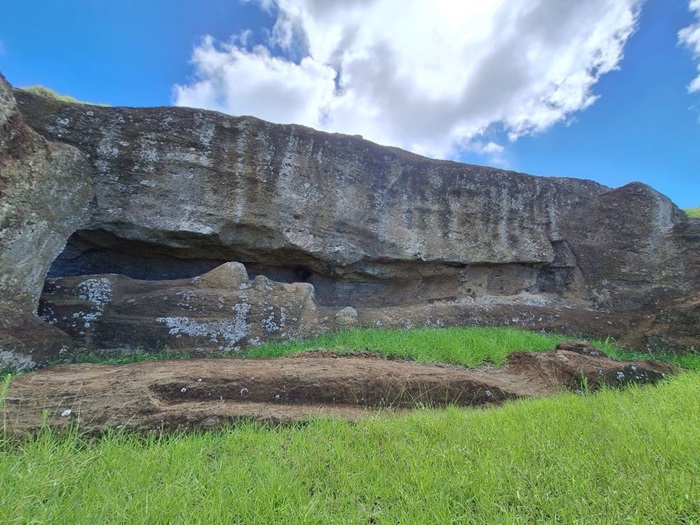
(492,147)
(431,77)
(690,36)
(254,82)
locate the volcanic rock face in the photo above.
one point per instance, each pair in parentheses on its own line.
(45,195)
(357,220)
(170,194)
(220,310)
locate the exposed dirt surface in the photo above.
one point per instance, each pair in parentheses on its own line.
(209,392)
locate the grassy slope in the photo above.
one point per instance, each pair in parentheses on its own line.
(612,457)
(693,213)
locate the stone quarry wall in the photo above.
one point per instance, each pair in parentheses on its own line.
(169,194)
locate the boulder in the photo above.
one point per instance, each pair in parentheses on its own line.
(147,200)
(27,342)
(45,196)
(346,317)
(220,310)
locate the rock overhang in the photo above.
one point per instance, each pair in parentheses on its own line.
(172,193)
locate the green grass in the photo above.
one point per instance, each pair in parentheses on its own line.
(50,93)
(458,346)
(614,457)
(689,360)
(469,347)
(693,213)
(625,456)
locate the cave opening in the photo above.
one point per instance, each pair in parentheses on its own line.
(379,283)
(91,252)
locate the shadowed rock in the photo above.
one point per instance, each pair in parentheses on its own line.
(220,310)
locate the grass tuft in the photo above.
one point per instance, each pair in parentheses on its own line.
(43,91)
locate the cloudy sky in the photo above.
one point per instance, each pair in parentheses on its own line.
(603,89)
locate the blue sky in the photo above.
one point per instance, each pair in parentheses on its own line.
(596,89)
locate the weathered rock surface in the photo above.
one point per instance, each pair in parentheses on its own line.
(45,196)
(220,310)
(357,220)
(168,194)
(207,393)
(27,342)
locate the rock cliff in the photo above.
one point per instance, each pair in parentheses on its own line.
(169,194)
(46,194)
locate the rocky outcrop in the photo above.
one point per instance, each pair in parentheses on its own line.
(220,310)
(45,196)
(170,194)
(46,192)
(357,220)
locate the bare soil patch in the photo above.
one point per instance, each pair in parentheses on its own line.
(207,393)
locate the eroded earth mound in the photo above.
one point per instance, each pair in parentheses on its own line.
(206,393)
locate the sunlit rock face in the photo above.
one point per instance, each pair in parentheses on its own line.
(45,195)
(170,194)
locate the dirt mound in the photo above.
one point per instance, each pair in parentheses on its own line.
(209,392)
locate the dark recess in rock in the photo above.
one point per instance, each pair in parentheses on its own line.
(89,252)
(92,252)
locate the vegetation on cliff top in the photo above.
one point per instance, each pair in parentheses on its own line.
(693,213)
(50,93)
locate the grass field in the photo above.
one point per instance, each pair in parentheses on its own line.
(627,456)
